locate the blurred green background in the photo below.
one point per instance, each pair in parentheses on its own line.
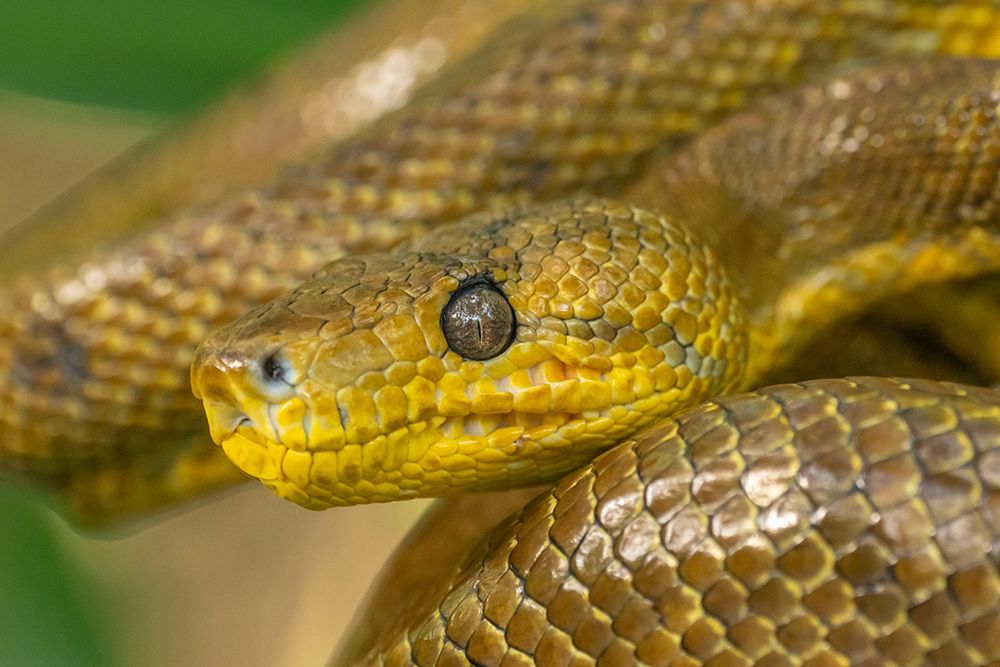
(46,615)
(159,59)
(166,57)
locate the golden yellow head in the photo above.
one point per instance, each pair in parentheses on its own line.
(497,351)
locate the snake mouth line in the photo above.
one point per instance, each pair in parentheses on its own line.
(246,429)
(251,453)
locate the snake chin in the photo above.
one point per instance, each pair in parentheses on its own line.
(437,456)
(428,458)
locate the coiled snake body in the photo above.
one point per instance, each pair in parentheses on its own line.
(831,522)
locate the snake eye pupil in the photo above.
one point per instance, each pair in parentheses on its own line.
(478,322)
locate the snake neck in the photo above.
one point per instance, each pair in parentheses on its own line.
(889,186)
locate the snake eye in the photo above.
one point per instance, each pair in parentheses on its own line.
(478,322)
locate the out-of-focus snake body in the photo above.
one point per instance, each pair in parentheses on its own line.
(811,524)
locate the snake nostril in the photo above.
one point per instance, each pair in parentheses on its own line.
(273,369)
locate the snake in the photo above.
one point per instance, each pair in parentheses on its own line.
(564,259)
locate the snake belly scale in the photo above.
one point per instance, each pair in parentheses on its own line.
(834,522)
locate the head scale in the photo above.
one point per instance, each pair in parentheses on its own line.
(496,351)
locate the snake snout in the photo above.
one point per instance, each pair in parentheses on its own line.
(237,383)
(215,380)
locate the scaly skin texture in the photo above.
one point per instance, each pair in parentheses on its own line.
(92,354)
(832,523)
(836,522)
(622,318)
(890,184)
(710,538)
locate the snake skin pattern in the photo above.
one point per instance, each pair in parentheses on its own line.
(824,523)
(835,522)
(836,444)
(94,352)
(621,317)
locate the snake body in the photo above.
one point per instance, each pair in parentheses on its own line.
(825,523)
(522,596)
(831,522)
(94,352)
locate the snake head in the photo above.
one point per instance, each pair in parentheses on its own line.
(501,350)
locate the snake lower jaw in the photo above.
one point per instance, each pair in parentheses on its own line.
(426,459)
(250,455)
(262,460)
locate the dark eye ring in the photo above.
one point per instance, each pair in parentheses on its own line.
(478,322)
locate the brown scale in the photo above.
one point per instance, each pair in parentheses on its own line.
(825,523)
(569,98)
